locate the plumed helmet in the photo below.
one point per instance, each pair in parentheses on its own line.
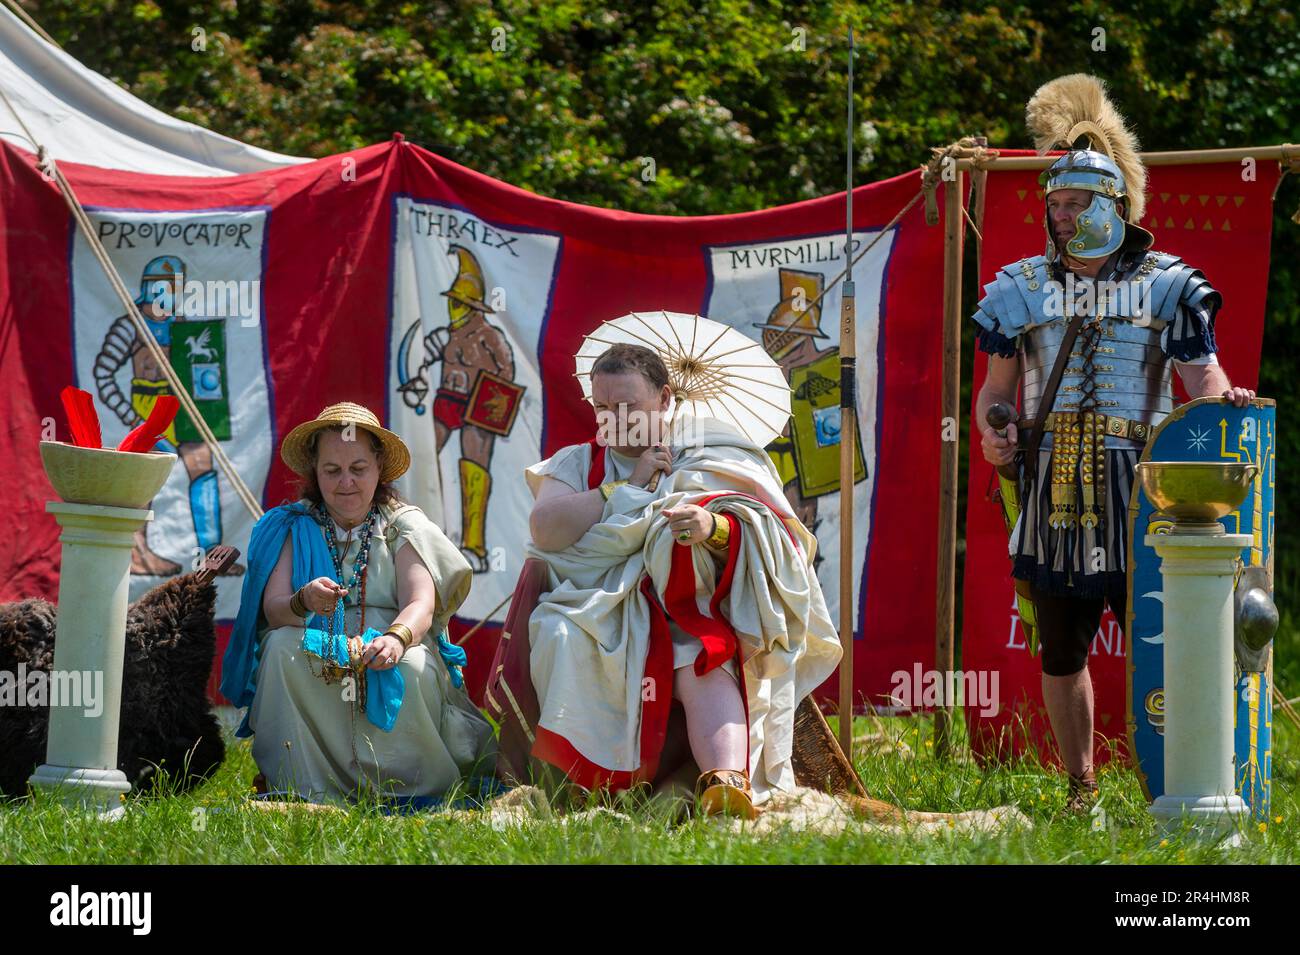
(1074,113)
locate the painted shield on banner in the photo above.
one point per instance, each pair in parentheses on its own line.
(1207,429)
(199,356)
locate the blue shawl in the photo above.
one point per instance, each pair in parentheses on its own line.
(311,559)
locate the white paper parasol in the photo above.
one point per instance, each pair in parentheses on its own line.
(713,370)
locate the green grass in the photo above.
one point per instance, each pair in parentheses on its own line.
(164,829)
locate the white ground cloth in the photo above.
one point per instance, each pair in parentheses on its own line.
(800,810)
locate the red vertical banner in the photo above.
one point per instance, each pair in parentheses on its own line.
(1218,218)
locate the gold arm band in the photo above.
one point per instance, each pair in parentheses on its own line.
(609,487)
(297,606)
(403,633)
(721,534)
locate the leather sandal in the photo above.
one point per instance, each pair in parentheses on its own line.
(725,792)
(1083,793)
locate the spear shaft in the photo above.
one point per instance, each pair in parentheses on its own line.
(848,441)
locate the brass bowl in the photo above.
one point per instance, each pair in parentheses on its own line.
(104,476)
(1196,492)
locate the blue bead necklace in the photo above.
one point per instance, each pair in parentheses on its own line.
(337,631)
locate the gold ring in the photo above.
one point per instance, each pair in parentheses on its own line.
(684,536)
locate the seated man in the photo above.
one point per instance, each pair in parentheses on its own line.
(675,571)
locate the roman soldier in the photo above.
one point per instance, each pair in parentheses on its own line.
(1117,318)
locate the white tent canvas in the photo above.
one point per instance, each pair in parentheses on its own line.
(80,116)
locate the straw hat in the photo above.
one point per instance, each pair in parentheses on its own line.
(295,449)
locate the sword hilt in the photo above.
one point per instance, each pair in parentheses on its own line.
(998,417)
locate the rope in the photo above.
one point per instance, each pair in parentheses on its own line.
(944,157)
(32,24)
(931,176)
(1285,706)
(491,613)
(879,235)
(45,163)
(1287,169)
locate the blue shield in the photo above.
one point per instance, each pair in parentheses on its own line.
(1207,429)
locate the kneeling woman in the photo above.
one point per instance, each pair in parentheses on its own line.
(339,648)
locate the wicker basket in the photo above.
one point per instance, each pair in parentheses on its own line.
(819,763)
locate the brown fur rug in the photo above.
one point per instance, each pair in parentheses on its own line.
(167,720)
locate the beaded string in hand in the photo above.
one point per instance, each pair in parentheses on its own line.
(336,635)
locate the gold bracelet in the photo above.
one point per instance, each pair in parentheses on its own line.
(397,630)
(609,487)
(721,534)
(297,606)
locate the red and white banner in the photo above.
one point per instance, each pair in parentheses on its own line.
(1218,218)
(452,304)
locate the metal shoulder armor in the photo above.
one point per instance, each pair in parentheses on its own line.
(1166,281)
(1017,298)
(1023,295)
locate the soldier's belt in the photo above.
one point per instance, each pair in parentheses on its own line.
(1112,425)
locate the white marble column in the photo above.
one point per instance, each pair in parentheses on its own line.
(1200,782)
(81,754)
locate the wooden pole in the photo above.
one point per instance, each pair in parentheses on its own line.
(848,439)
(1286,152)
(945,596)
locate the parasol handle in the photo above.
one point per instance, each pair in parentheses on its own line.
(668,417)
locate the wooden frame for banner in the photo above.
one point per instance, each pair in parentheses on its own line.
(984,159)
(1287,153)
(946,598)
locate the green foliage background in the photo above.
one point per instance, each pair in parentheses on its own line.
(740,104)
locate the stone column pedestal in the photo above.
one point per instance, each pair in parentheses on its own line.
(81,754)
(1200,783)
